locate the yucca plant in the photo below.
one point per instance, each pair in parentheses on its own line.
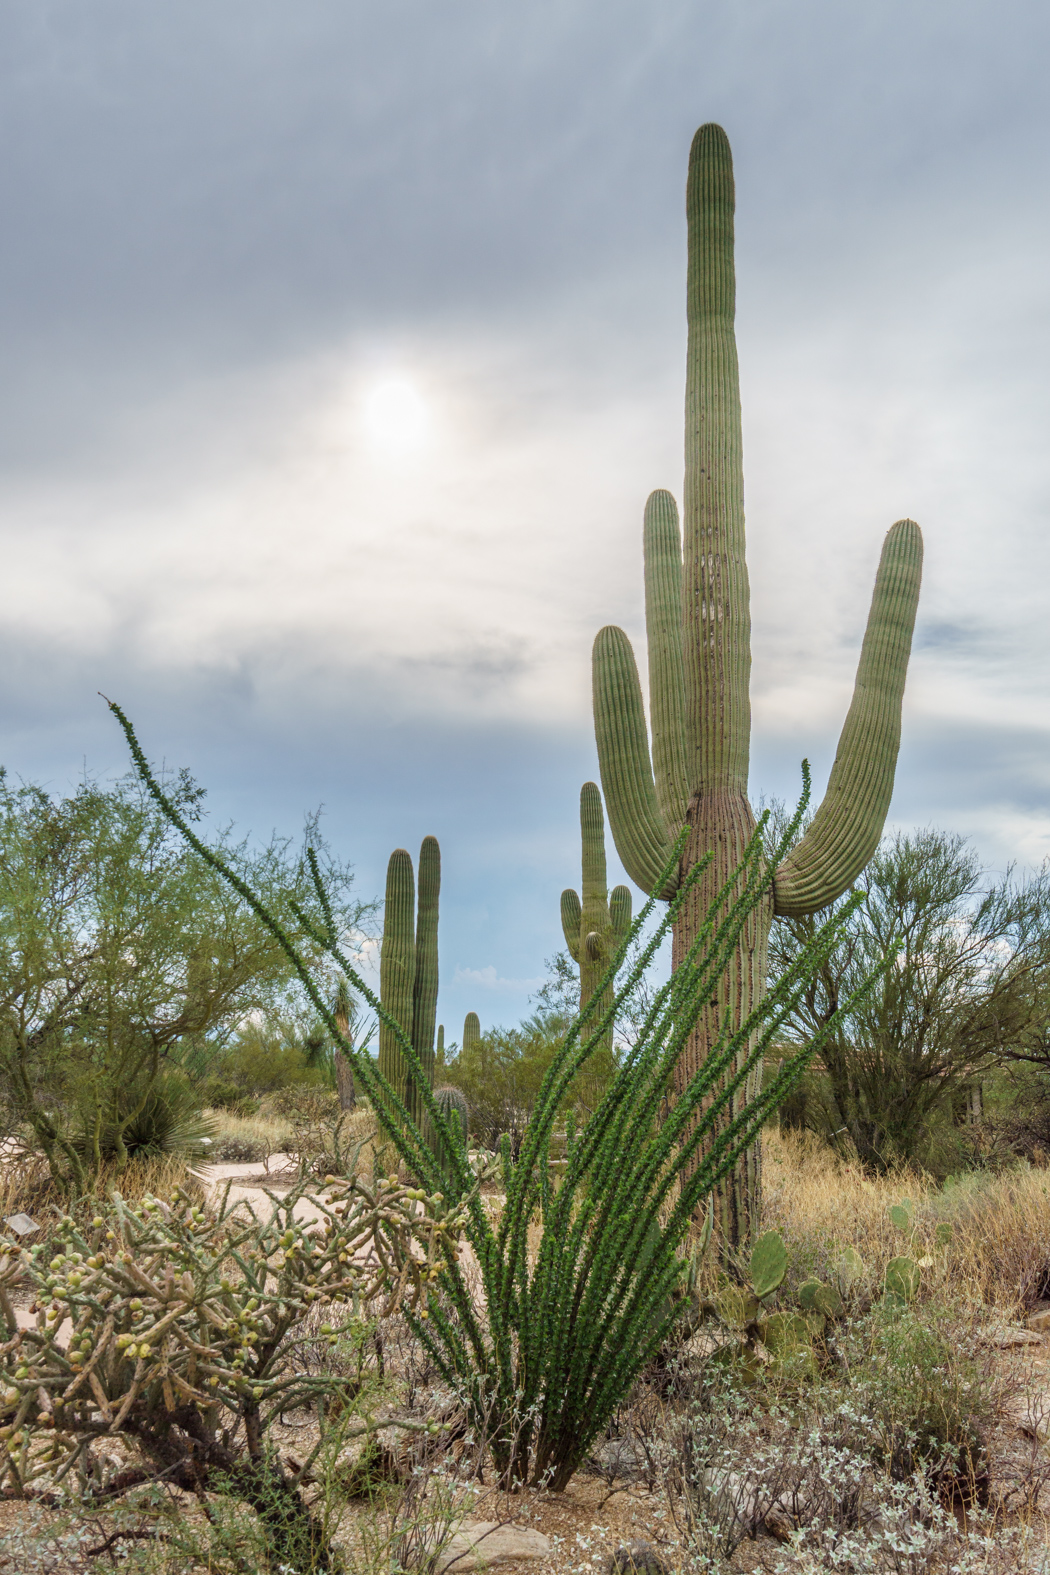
(545,1339)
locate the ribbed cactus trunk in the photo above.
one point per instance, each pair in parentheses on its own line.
(408,967)
(716,626)
(593,930)
(698,628)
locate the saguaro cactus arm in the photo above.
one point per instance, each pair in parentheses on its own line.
(425,986)
(662,554)
(641,835)
(397,964)
(620,911)
(425,983)
(847,827)
(571,913)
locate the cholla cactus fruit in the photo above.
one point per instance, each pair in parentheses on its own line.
(174,1308)
(698,627)
(769,1261)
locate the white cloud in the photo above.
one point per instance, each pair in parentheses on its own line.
(489,979)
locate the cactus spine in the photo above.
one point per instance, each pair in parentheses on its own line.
(408,969)
(698,632)
(595,927)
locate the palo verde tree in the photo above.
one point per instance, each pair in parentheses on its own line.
(699,647)
(119,949)
(965,971)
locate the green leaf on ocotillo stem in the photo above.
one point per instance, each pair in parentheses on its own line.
(769,1261)
(902,1279)
(900,1216)
(849,1268)
(943,1234)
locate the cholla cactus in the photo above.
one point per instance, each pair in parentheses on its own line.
(182,1326)
(408,969)
(698,627)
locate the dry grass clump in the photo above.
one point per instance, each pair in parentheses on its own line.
(26,1187)
(248,1139)
(999,1252)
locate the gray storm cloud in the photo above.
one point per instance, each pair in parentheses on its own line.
(343,344)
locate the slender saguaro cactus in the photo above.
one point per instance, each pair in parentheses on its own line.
(408,968)
(471,1030)
(594,927)
(698,628)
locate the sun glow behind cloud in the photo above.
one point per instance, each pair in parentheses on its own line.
(396,419)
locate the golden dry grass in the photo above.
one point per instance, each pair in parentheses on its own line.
(999,1252)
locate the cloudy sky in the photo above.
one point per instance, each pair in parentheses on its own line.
(343,341)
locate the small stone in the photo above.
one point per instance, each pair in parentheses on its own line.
(480,1544)
(635,1558)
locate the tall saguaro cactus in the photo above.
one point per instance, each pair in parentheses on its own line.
(595,927)
(408,967)
(698,627)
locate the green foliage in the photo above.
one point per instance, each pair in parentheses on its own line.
(929,1401)
(902,1280)
(769,1261)
(501,1073)
(184,1329)
(550,1331)
(119,950)
(969,976)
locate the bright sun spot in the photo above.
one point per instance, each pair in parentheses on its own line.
(396,417)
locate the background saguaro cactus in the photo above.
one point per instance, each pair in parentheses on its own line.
(408,968)
(595,926)
(698,627)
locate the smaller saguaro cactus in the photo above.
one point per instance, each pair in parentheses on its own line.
(408,970)
(471,1030)
(595,927)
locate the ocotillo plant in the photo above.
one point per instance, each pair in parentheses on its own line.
(545,1330)
(408,968)
(698,627)
(595,926)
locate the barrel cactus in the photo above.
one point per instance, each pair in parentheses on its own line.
(452,1103)
(698,631)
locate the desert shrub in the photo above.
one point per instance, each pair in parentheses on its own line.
(183,1328)
(554,1327)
